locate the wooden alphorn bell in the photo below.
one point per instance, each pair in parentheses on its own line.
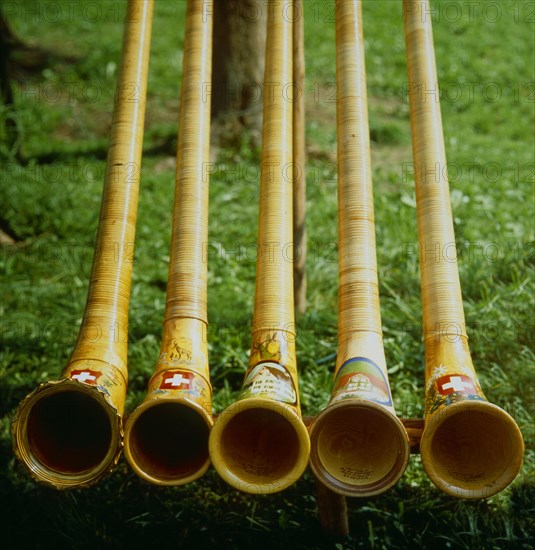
(68,432)
(166,437)
(470,448)
(260,444)
(359,447)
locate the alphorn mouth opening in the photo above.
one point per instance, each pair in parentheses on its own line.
(358,448)
(67,434)
(166,442)
(259,446)
(472,449)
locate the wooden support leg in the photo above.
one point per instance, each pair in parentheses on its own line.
(332,508)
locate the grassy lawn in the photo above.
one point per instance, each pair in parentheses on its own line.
(485,56)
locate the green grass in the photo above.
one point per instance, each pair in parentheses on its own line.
(52,205)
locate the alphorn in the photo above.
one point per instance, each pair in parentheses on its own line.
(470,448)
(359,447)
(68,432)
(299,161)
(260,444)
(166,437)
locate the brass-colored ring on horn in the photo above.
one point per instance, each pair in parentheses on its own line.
(259,446)
(471,449)
(358,448)
(45,434)
(163,425)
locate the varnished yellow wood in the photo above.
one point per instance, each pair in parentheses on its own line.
(299,160)
(358,445)
(166,437)
(259,444)
(68,433)
(470,448)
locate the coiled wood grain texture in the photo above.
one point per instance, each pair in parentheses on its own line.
(299,159)
(188,271)
(470,448)
(103,334)
(47,434)
(260,444)
(443,313)
(358,293)
(166,436)
(273,305)
(358,445)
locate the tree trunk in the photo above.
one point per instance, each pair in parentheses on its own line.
(7,41)
(238,69)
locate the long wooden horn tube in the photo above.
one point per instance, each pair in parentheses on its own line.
(299,162)
(358,445)
(260,444)
(470,448)
(166,437)
(68,433)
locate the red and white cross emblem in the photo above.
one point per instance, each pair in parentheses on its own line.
(87,376)
(176,380)
(455,383)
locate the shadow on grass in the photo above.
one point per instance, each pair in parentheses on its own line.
(125,512)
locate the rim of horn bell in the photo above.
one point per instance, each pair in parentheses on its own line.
(453,450)
(164,423)
(43,444)
(280,456)
(361,425)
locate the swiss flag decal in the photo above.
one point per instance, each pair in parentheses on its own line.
(455,383)
(87,376)
(176,380)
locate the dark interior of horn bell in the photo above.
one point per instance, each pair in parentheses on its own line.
(259,446)
(169,441)
(69,432)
